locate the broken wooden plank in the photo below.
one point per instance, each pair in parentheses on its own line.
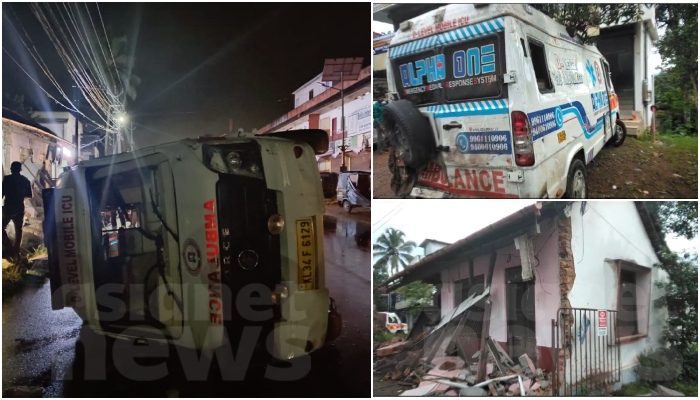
(486,325)
(496,356)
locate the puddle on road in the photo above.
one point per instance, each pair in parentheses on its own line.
(359,231)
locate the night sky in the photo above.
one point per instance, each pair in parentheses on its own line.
(232,60)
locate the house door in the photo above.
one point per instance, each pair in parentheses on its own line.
(520,306)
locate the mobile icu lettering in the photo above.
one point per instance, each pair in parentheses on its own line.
(474,61)
(412,73)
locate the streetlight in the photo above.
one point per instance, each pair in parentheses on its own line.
(337,70)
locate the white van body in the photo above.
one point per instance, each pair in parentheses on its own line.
(218,230)
(470,70)
(393,323)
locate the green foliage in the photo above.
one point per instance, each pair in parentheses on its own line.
(382,336)
(418,294)
(676,88)
(11,273)
(689,389)
(577,18)
(120,65)
(681,288)
(636,389)
(676,217)
(19,104)
(392,250)
(677,107)
(41,250)
(659,366)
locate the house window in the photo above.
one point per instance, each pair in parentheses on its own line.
(633,300)
(24,154)
(334,125)
(465,288)
(324,165)
(539,64)
(311,94)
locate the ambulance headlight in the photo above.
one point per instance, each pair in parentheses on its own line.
(275,224)
(234,159)
(242,158)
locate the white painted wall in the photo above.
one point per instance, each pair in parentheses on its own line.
(64,130)
(610,231)
(431,247)
(301,95)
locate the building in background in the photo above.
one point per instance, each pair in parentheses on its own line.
(628,49)
(65,125)
(318,106)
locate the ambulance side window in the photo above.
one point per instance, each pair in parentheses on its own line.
(539,64)
(606,71)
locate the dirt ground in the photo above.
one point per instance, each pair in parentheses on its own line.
(636,170)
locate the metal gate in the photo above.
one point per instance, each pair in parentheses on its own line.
(585,352)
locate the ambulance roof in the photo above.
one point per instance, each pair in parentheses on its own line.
(454,17)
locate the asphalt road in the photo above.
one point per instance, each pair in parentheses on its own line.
(39,345)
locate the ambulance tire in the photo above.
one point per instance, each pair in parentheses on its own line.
(577,177)
(410,131)
(620,134)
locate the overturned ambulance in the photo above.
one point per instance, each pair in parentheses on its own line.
(194,242)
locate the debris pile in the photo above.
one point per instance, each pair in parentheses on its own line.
(435,363)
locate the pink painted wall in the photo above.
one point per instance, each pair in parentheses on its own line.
(546,284)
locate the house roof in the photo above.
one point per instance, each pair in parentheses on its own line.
(13,116)
(499,234)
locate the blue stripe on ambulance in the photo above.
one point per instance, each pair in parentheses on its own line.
(549,120)
(453,36)
(486,107)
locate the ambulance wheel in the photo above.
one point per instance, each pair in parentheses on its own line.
(346,206)
(619,134)
(409,133)
(577,183)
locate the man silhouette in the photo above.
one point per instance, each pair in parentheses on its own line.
(15,188)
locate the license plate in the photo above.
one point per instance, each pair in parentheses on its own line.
(306,254)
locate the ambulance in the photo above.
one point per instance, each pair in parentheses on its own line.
(393,323)
(496,101)
(197,243)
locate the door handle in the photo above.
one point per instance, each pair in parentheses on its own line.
(452,125)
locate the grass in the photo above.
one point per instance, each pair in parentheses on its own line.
(636,389)
(689,389)
(675,142)
(382,337)
(10,272)
(40,251)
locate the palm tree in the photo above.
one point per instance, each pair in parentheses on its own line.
(393,251)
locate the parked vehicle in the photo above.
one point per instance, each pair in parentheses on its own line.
(354,189)
(496,101)
(393,323)
(125,234)
(329,182)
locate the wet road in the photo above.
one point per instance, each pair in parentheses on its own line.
(39,345)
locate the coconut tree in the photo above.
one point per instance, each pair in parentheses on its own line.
(393,251)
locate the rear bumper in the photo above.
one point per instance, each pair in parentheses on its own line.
(431,193)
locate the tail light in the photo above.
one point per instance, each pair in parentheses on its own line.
(522,140)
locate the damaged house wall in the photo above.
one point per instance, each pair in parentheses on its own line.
(546,289)
(609,242)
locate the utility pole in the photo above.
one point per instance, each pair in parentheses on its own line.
(339,69)
(76,99)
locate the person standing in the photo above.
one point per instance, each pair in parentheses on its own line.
(379,122)
(15,188)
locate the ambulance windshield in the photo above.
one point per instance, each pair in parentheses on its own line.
(133,209)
